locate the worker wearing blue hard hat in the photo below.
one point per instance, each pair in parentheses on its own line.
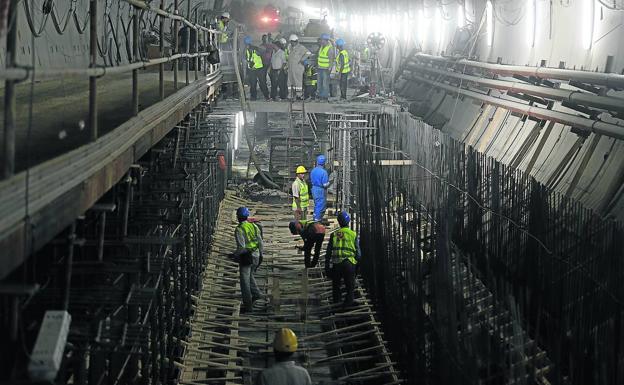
(341,259)
(255,69)
(320,181)
(343,67)
(324,63)
(249,249)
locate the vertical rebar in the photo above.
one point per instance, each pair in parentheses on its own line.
(136,58)
(176,44)
(93,108)
(161,46)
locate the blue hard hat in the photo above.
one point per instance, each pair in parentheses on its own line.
(242,212)
(306,62)
(343,218)
(340,42)
(320,160)
(325,36)
(247,40)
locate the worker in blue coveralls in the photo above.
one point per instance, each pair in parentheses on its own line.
(320,181)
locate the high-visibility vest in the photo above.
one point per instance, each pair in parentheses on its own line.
(252,56)
(343,245)
(250,231)
(310,76)
(304,197)
(323,57)
(365,54)
(223,38)
(347,68)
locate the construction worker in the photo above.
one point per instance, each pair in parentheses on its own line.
(249,249)
(284,371)
(343,250)
(313,234)
(267,49)
(222,25)
(296,54)
(309,80)
(324,61)
(320,181)
(255,70)
(279,74)
(300,194)
(343,67)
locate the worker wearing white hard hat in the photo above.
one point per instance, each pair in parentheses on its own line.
(297,53)
(222,25)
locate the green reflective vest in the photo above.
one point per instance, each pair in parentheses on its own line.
(250,231)
(343,246)
(304,196)
(323,57)
(347,68)
(254,61)
(223,38)
(365,54)
(310,76)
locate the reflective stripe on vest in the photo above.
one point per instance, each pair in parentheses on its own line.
(304,196)
(223,38)
(323,57)
(252,56)
(347,68)
(250,231)
(343,245)
(310,77)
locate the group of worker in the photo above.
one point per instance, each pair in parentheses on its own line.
(293,67)
(341,259)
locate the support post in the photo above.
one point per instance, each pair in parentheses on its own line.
(135,57)
(188,42)
(161,66)
(69,261)
(9,94)
(196,50)
(93,110)
(176,43)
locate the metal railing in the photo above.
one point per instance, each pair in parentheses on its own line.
(15,73)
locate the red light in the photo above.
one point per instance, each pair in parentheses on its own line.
(275,19)
(265,19)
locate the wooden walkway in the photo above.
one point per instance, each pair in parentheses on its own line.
(337,346)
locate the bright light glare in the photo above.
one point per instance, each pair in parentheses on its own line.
(395,24)
(438,27)
(311,10)
(239,121)
(265,19)
(490,22)
(461,19)
(530,21)
(422,27)
(587,23)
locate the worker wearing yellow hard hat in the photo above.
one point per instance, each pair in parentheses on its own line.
(300,193)
(284,371)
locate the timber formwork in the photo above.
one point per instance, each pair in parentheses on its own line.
(336,345)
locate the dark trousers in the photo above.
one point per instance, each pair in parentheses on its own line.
(279,79)
(344,80)
(309,91)
(255,77)
(343,271)
(315,241)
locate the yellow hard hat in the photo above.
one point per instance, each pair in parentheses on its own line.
(301,170)
(285,341)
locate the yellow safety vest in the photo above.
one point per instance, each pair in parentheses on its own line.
(323,57)
(250,231)
(365,54)
(252,56)
(343,245)
(347,68)
(304,196)
(223,38)
(310,77)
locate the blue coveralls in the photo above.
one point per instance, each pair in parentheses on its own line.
(320,180)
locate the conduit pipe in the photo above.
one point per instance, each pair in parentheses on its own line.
(577,97)
(606,79)
(583,124)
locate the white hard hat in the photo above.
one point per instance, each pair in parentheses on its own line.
(294,38)
(225,14)
(283,41)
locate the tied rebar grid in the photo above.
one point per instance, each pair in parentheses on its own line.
(136,269)
(481,273)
